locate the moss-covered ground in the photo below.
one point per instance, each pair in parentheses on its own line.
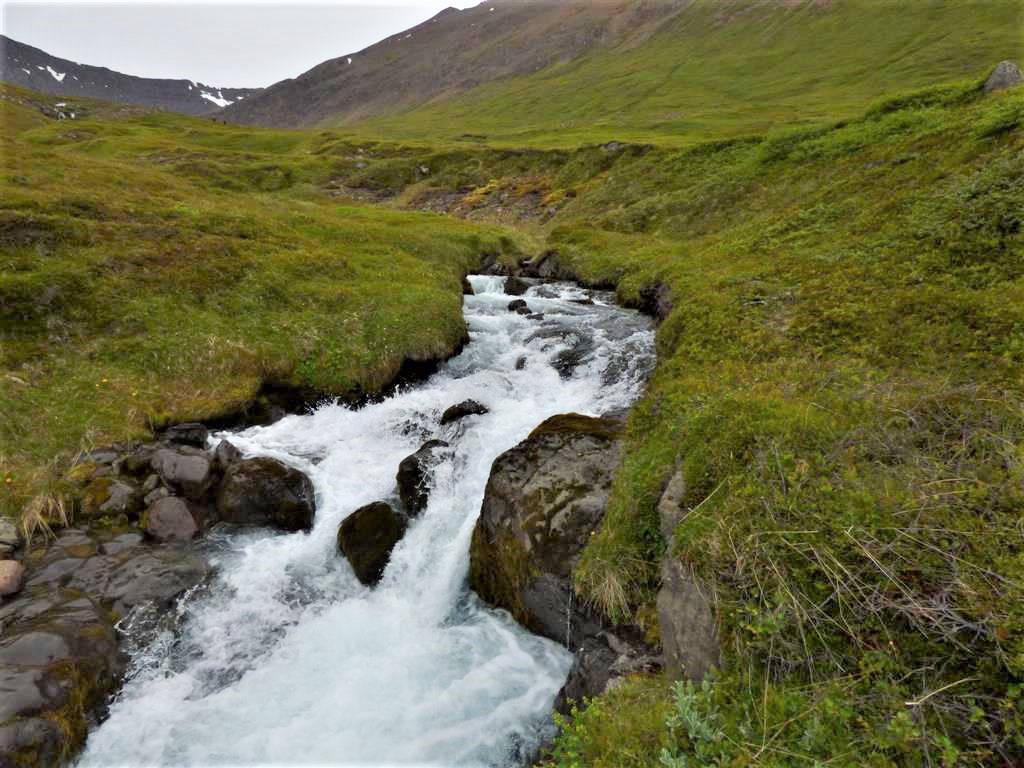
(840,383)
(157,268)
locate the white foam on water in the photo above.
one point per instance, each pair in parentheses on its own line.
(286,659)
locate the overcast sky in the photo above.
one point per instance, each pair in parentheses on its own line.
(233,43)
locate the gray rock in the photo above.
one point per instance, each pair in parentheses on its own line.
(151,484)
(102,456)
(462,410)
(190,473)
(686,623)
(10,536)
(226,454)
(154,496)
(543,500)
(686,615)
(170,519)
(12,577)
(187,434)
(124,499)
(121,543)
(519,306)
(34,649)
(366,538)
(156,575)
(414,476)
(264,491)
(23,692)
(1006,75)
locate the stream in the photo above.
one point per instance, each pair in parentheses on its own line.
(285,659)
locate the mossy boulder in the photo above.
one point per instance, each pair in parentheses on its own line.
(544,499)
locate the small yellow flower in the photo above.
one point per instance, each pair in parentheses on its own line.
(8,479)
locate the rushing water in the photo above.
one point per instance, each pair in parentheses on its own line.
(286,659)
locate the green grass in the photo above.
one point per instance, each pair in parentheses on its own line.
(726,68)
(837,215)
(158,268)
(840,385)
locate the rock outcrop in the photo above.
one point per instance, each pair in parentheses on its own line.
(544,499)
(1006,75)
(366,538)
(686,615)
(59,659)
(415,474)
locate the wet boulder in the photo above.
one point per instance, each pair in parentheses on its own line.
(193,434)
(264,491)
(519,306)
(462,410)
(366,538)
(516,286)
(543,500)
(170,519)
(190,471)
(414,476)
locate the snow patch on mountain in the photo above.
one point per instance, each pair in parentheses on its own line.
(219,99)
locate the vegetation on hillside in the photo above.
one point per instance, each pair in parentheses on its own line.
(840,384)
(720,68)
(158,268)
(839,376)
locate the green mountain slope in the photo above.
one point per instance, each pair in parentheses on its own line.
(838,388)
(729,67)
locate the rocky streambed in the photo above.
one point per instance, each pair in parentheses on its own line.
(297,593)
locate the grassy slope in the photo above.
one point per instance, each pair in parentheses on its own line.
(728,68)
(840,383)
(158,268)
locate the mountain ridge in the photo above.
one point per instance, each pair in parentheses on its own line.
(30,67)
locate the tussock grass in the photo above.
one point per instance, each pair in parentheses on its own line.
(158,268)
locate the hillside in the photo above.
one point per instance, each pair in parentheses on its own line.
(728,67)
(449,54)
(28,67)
(565,73)
(837,402)
(819,201)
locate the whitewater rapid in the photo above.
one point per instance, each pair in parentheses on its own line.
(285,659)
